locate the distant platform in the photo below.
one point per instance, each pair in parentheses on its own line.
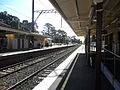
(32,50)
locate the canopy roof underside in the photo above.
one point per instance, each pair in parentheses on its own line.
(80,14)
(75,12)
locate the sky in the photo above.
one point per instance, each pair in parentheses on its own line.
(23,10)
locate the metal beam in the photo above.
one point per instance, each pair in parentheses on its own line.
(97,1)
(38,16)
(77,10)
(79,20)
(43,12)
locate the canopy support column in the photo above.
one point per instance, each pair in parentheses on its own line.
(89,30)
(86,46)
(98,44)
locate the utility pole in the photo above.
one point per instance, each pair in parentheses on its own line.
(33,15)
(61,21)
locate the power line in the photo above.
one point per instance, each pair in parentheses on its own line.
(44,11)
(43,4)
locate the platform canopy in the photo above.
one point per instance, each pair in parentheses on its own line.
(75,12)
(80,14)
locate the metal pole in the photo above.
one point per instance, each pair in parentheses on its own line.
(88,46)
(32,15)
(98,45)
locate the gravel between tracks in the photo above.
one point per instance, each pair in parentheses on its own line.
(11,79)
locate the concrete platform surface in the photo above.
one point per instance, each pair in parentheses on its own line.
(83,77)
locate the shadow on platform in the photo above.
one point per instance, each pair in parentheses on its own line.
(82,77)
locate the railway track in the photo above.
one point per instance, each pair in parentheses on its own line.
(22,65)
(36,69)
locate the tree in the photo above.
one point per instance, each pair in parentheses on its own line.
(74,40)
(57,36)
(49,27)
(61,36)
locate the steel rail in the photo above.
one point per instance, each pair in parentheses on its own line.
(32,63)
(24,67)
(33,74)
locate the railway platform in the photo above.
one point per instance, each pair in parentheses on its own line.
(82,77)
(31,50)
(73,74)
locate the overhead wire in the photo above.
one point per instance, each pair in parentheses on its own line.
(19,12)
(55,13)
(22,13)
(15,11)
(43,4)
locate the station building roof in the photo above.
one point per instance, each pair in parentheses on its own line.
(11,31)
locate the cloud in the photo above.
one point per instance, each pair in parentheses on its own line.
(10,6)
(13,7)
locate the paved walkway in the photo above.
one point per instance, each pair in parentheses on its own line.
(82,77)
